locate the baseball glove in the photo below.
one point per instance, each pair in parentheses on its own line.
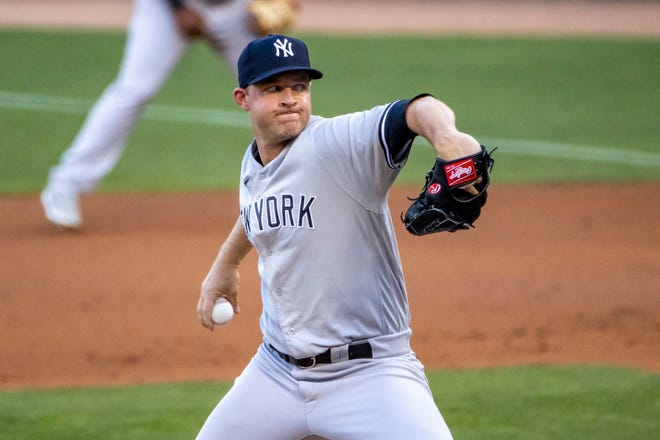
(453,195)
(272,16)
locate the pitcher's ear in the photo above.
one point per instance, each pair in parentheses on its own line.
(240,97)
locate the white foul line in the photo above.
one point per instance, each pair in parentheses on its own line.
(196,115)
(60,104)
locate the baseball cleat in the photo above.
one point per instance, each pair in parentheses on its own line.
(61,207)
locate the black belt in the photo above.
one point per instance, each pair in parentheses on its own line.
(215,2)
(355,351)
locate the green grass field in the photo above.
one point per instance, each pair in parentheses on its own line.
(536,402)
(558,109)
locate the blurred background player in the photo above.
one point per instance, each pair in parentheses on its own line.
(159,33)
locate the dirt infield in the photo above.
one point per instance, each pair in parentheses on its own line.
(552,274)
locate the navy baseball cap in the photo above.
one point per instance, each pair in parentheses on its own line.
(270,55)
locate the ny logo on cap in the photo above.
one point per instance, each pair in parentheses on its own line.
(284,46)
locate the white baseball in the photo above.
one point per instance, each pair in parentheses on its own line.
(222,312)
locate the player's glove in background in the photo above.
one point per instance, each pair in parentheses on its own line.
(273,16)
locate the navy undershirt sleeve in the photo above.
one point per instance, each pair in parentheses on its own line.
(396,136)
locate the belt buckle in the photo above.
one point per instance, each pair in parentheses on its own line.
(312,365)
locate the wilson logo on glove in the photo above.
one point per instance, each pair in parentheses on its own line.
(460,172)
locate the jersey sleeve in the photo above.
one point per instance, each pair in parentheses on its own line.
(364,151)
(396,138)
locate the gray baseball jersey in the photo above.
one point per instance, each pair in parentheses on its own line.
(319,219)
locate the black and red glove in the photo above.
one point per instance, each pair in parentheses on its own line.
(453,195)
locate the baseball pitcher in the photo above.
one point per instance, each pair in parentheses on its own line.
(336,358)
